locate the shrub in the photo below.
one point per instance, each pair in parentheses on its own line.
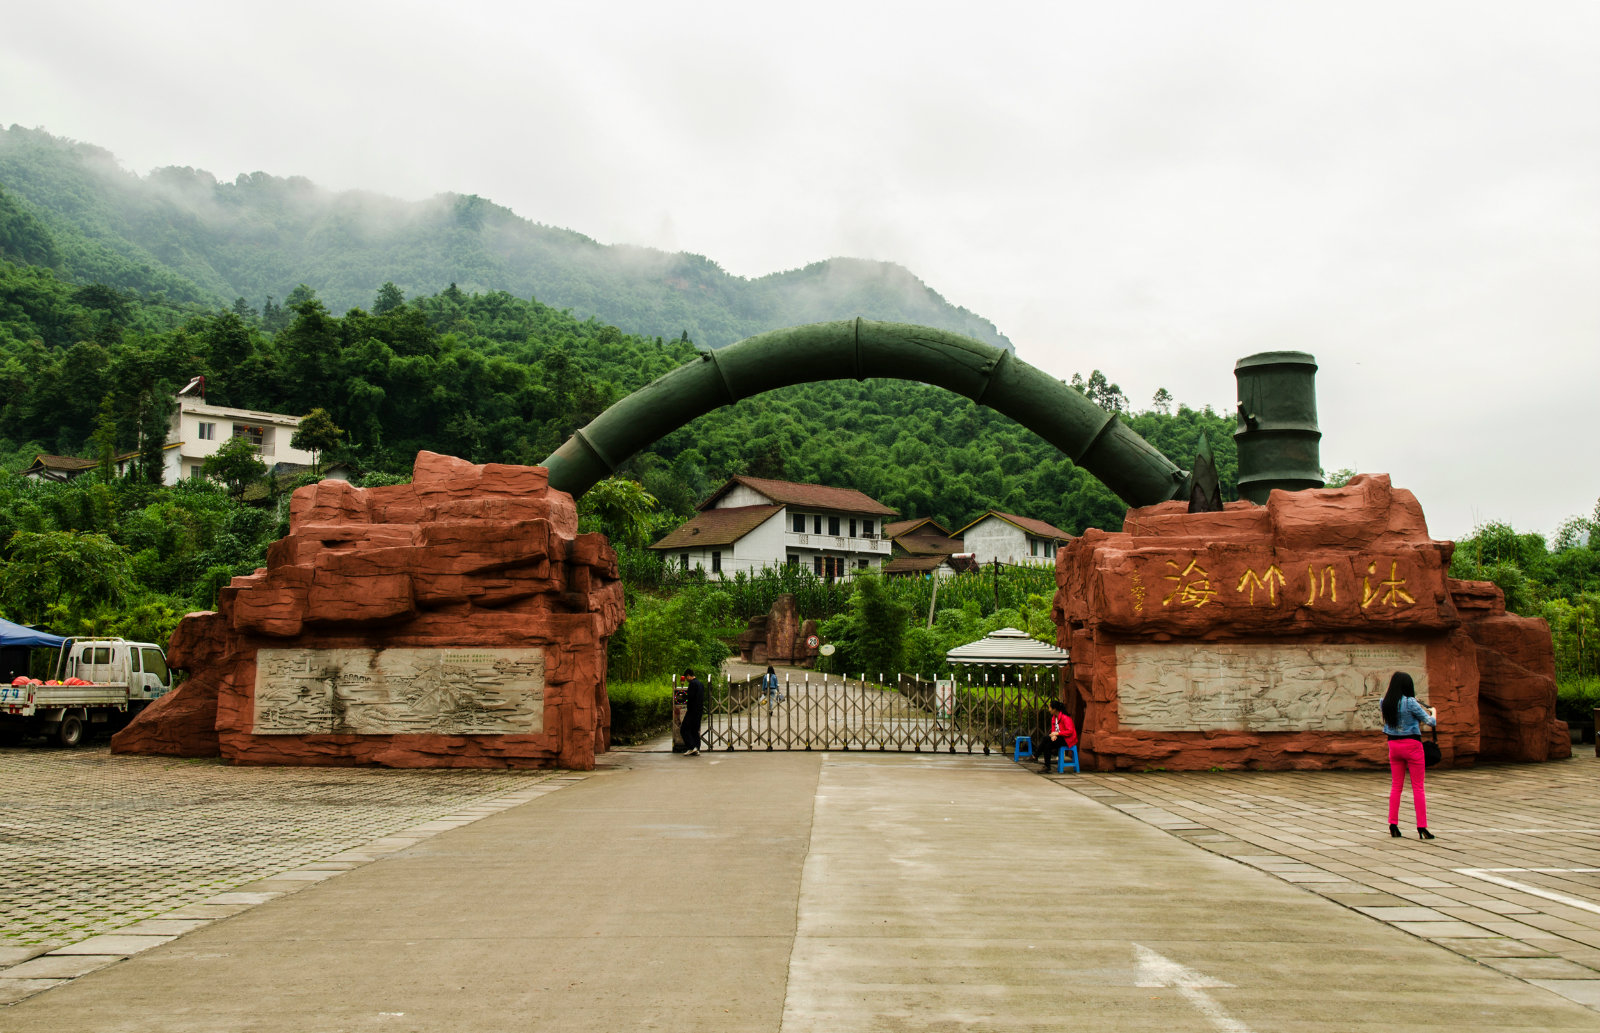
(1576,698)
(639,710)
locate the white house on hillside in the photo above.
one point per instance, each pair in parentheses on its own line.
(198,430)
(1012,539)
(753,522)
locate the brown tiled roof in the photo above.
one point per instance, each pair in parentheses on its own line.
(900,527)
(912,564)
(814,496)
(717,527)
(1037,528)
(929,544)
(923,564)
(45,462)
(72,464)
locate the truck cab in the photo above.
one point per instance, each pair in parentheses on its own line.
(142,666)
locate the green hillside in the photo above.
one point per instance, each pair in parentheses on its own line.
(183,232)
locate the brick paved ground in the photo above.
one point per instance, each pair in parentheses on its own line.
(91,842)
(1513,880)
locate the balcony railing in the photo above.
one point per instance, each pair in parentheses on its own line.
(860,543)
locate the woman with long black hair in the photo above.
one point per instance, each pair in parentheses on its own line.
(1402,723)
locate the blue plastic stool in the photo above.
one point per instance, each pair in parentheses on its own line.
(1017,750)
(1061,760)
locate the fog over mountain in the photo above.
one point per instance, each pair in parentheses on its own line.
(205,239)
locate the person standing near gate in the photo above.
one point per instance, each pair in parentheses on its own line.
(693,711)
(770,687)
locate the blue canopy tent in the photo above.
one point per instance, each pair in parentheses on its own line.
(15,643)
(17,635)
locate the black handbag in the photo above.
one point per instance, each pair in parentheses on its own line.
(1430,749)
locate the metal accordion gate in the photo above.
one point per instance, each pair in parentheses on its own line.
(827,712)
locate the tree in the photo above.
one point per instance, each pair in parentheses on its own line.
(622,508)
(389,298)
(870,635)
(105,438)
(60,575)
(1162,402)
(235,464)
(153,414)
(1101,391)
(316,434)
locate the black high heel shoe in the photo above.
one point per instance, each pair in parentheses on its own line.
(1394,830)
(1423,833)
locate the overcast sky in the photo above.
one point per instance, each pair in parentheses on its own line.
(1409,191)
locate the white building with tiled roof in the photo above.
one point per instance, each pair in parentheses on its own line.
(753,522)
(1012,539)
(198,430)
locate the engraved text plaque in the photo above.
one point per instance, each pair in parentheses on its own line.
(462,691)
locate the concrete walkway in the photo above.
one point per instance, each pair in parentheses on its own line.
(1512,881)
(820,891)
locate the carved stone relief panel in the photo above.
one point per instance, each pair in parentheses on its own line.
(1260,687)
(462,691)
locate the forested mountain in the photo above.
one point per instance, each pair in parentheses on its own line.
(72,208)
(491,377)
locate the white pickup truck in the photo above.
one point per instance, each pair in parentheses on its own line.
(119,678)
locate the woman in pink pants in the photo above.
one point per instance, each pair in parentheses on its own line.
(1402,723)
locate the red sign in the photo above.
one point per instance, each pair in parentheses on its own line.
(811,641)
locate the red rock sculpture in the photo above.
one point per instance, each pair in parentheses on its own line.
(463,558)
(1336,572)
(779,637)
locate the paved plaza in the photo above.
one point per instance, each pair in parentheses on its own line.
(1512,881)
(91,843)
(823,891)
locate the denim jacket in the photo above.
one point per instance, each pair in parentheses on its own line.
(1409,718)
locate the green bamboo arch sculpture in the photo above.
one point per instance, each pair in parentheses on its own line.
(856,349)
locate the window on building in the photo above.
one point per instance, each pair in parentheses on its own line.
(816,561)
(816,524)
(683,561)
(866,528)
(833,526)
(852,527)
(194,471)
(799,523)
(1033,546)
(793,560)
(861,564)
(716,563)
(208,432)
(254,435)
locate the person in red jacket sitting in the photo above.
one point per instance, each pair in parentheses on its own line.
(1062,733)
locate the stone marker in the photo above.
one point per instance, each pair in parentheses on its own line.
(456,621)
(1263,636)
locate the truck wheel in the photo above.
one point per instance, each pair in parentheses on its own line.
(70,731)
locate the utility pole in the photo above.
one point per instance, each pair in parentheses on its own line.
(997,583)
